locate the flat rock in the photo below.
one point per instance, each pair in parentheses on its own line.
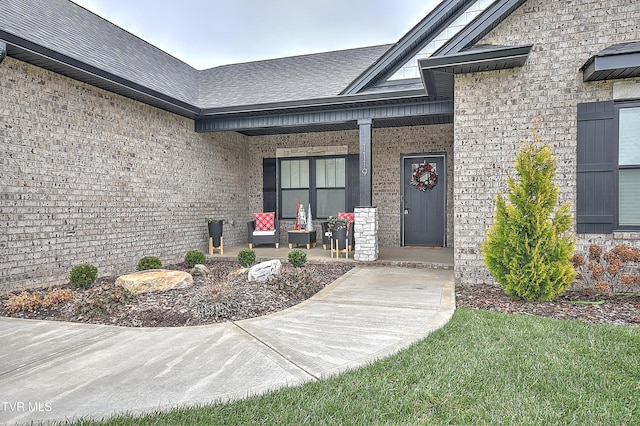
(155,280)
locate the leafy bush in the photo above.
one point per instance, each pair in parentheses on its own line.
(56,297)
(195,257)
(149,262)
(102,300)
(24,302)
(616,271)
(528,248)
(31,301)
(82,276)
(246,257)
(297,258)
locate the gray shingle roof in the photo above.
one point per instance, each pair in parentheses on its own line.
(285,79)
(70,30)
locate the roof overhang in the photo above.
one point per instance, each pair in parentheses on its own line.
(615,62)
(437,72)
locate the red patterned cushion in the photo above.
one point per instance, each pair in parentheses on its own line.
(349,216)
(265,221)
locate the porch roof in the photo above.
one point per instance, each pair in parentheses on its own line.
(620,60)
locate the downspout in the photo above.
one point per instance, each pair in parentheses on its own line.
(3,50)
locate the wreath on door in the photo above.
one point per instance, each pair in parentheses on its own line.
(424,177)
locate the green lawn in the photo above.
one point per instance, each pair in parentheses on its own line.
(481,368)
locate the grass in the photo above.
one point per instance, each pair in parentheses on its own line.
(482,368)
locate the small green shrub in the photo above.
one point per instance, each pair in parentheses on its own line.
(195,257)
(82,276)
(297,258)
(246,257)
(102,300)
(149,262)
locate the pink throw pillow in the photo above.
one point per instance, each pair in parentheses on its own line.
(265,221)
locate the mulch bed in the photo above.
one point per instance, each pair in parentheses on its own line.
(586,306)
(226,295)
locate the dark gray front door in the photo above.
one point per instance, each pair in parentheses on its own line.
(423,211)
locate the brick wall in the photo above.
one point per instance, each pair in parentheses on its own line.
(494,111)
(89,176)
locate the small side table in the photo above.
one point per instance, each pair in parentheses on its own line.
(307,238)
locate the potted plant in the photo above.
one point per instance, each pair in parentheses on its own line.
(338,228)
(215,230)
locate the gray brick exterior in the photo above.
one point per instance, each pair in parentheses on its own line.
(495,111)
(89,176)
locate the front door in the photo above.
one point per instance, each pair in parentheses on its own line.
(423,200)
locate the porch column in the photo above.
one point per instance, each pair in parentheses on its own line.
(365,233)
(365,161)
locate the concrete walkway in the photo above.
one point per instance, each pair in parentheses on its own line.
(57,370)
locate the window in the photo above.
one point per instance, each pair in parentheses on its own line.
(320,181)
(608,179)
(330,186)
(294,184)
(629,166)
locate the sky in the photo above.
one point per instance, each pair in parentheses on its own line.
(208,33)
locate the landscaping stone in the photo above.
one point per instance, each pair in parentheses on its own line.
(200,270)
(155,280)
(262,271)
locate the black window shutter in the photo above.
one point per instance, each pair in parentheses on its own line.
(353,182)
(597,164)
(269,188)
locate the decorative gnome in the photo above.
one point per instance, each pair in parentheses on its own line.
(302,220)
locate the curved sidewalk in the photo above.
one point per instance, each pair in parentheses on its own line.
(56,370)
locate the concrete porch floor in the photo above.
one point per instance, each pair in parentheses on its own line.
(415,257)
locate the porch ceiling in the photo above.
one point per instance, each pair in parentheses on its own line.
(419,110)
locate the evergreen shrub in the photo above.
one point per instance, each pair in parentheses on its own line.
(528,248)
(149,262)
(246,257)
(195,257)
(297,258)
(82,276)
